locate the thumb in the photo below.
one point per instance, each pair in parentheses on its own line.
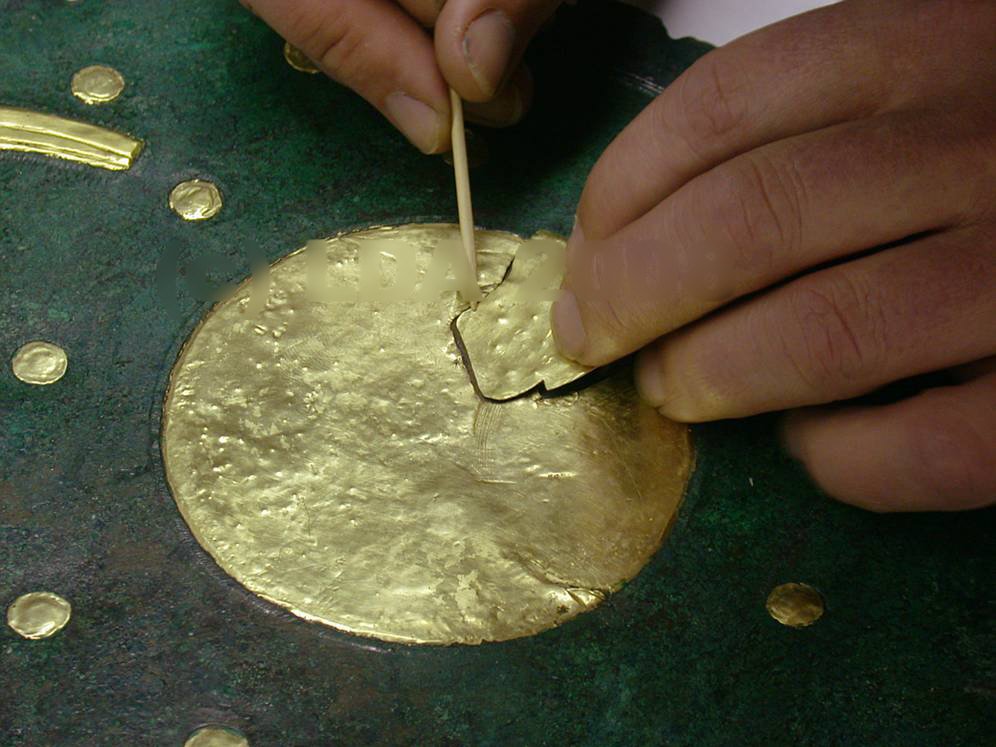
(480,42)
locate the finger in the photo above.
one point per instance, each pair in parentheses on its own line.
(480,42)
(974,370)
(769,214)
(834,334)
(424,11)
(933,452)
(508,107)
(811,71)
(379,51)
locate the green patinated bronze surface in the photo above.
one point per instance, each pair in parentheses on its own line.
(162,641)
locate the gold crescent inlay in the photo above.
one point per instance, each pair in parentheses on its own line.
(35,132)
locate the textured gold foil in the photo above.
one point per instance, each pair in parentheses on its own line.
(335,459)
(195,200)
(97,84)
(216,736)
(507,337)
(40,614)
(299,60)
(39,362)
(795,605)
(34,132)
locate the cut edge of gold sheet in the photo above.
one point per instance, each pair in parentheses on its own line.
(336,460)
(49,135)
(507,338)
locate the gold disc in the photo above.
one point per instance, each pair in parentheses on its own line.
(40,363)
(299,60)
(795,605)
(97,84)
(196,199)
(335,459)
(38,615)
(216,736)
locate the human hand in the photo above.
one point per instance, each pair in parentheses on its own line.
(804,216)
(382,50)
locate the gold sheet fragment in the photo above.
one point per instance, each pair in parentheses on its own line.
(335,459)
(508,340)
(34,132)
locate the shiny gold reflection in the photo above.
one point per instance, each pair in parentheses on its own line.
(196,199)
(335,459)
(97,84)
(795,605)
(299,60)
(216,736)
(507,337)
(40,363)
(38,615)
(34,132)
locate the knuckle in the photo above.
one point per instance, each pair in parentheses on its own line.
(760,211)
(713,99)
(613,317)
(952,459)
(828,339)
(331,39)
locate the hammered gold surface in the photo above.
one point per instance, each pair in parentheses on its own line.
(39,614)
(507,337)
(216,736)
(335,459)
(97,84)
(39,362)
(196,199)
(795,605)
(34,132)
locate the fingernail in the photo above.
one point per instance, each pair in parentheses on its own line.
(504,110)
(577,233)
(574,243)
(568,330)
(417,121)
(649,381)
(487,47)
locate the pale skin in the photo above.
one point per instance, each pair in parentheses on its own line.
(806,215)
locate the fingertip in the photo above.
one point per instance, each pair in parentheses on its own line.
(475,52)
(508,107)
(791,434)
(567,326)
(425,127)
(649,382)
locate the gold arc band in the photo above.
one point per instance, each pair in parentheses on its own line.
(49,135)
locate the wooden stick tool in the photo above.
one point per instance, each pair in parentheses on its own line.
(460,170)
